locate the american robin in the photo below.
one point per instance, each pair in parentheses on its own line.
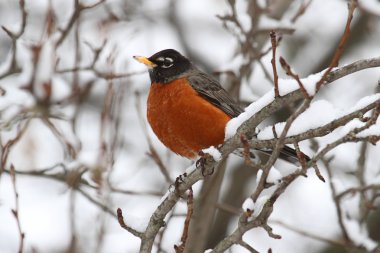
(187,109)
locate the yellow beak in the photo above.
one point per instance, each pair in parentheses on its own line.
(146,61)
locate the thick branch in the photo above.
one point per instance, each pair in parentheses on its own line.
(248,128)
(316,132)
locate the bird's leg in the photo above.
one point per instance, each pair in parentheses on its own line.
(202,161)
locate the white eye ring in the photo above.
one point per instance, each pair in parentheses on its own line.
(169,59)
(166,60)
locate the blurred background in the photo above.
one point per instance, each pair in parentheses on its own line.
(73,124)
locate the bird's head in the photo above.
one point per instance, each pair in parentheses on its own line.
(166,65)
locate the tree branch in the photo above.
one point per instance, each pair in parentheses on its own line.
(247,128)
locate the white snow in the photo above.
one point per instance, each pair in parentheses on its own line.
(191,168)
(248,204)
(274,176)
(363,102)
(136,222)
(319,113)
(167,193)
(372,130)
(355,123)
(285,87)
(258,176)
(259,204)
(214,152)
(253,108)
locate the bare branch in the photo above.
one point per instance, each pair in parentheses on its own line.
(78,8)
(13,67)
(120,218)
(338,207)
(277,148)
(316,132)
(273,61)
(296,77)
(334,62)
(186,227)
(16,211)
(301,10)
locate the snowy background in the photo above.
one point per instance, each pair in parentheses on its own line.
(89,133)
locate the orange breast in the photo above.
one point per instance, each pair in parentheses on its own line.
(183,120)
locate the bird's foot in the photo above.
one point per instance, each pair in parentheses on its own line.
(201,163)
(179,180)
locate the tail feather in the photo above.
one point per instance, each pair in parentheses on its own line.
(287,154)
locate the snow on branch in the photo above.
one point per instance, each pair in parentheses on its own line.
(254,115)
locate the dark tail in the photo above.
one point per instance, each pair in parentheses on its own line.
(288,154)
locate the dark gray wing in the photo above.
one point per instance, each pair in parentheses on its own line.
(212,91)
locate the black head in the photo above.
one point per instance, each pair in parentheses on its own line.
(165,65)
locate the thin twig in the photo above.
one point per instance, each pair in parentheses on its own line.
(277,149)
(273,41)
(296,77)
(335,60)
(120,219)
(14,68)
(16,211)
(353,190)
(78,8)
(337,203)
(301,10)
(185,234)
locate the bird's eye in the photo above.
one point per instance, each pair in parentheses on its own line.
(167,62)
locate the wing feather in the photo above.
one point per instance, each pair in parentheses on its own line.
(212,91)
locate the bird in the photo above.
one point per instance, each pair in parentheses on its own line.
(188,109)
